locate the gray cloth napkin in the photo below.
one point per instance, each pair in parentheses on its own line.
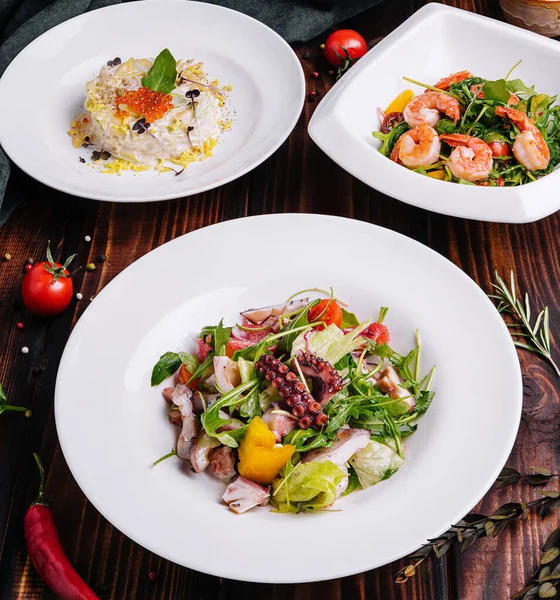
(21,21)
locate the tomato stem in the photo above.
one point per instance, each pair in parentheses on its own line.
(55,271)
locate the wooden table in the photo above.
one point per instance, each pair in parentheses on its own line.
(297,178)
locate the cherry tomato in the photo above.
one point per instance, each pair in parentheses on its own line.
(378,333)
(327,311)
(499,148)
(185,375)
(47,287)
(344,45)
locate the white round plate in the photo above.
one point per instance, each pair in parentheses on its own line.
(112,425)
(267,97)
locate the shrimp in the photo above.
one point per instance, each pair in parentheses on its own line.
(427,108)
(471,158)
(418,147)
(445,83)
(530,147)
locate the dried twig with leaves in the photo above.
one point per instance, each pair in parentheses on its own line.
(474,526)
(544,582)
(533,337)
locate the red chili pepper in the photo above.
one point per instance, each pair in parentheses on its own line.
(46,552)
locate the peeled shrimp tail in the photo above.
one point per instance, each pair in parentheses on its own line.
(530,147)
(471,158)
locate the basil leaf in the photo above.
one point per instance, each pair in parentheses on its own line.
(167,364)
(3,397)
(496,91)
(163,74)
(348,319)
(190,361)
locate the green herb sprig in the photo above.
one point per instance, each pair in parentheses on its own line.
(476,526)
(533,337)
(4,406)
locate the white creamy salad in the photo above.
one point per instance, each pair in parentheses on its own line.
(145,113)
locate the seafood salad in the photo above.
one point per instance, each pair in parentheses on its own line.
(469,130)
(296,405)
(144,113)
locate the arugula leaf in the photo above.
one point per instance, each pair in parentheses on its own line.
(211,420)
(202,366)
(518,87)
(495,136)
(163,74)
(447,126)
(167,364)
(191,362)
(251,406)
(219,337)
(348,319)
(423,401)
(390,139)
(285,345)
(496,91)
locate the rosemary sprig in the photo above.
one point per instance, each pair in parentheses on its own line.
(474,527)
(534,337)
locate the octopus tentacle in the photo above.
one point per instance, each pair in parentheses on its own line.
(308,409)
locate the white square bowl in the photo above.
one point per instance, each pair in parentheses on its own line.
(435,41)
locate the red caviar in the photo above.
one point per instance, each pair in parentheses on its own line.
(143,101)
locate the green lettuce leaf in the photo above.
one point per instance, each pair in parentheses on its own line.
(331,344)
(307,486)
(246,370)
(372,463)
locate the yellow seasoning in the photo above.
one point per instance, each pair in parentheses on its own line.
(399,103)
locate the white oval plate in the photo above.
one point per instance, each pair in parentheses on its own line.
(267,97)
(112,425)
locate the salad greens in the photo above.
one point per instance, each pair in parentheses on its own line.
(356,401)
(478,101)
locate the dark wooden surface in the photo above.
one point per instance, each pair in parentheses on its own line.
(298,177)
